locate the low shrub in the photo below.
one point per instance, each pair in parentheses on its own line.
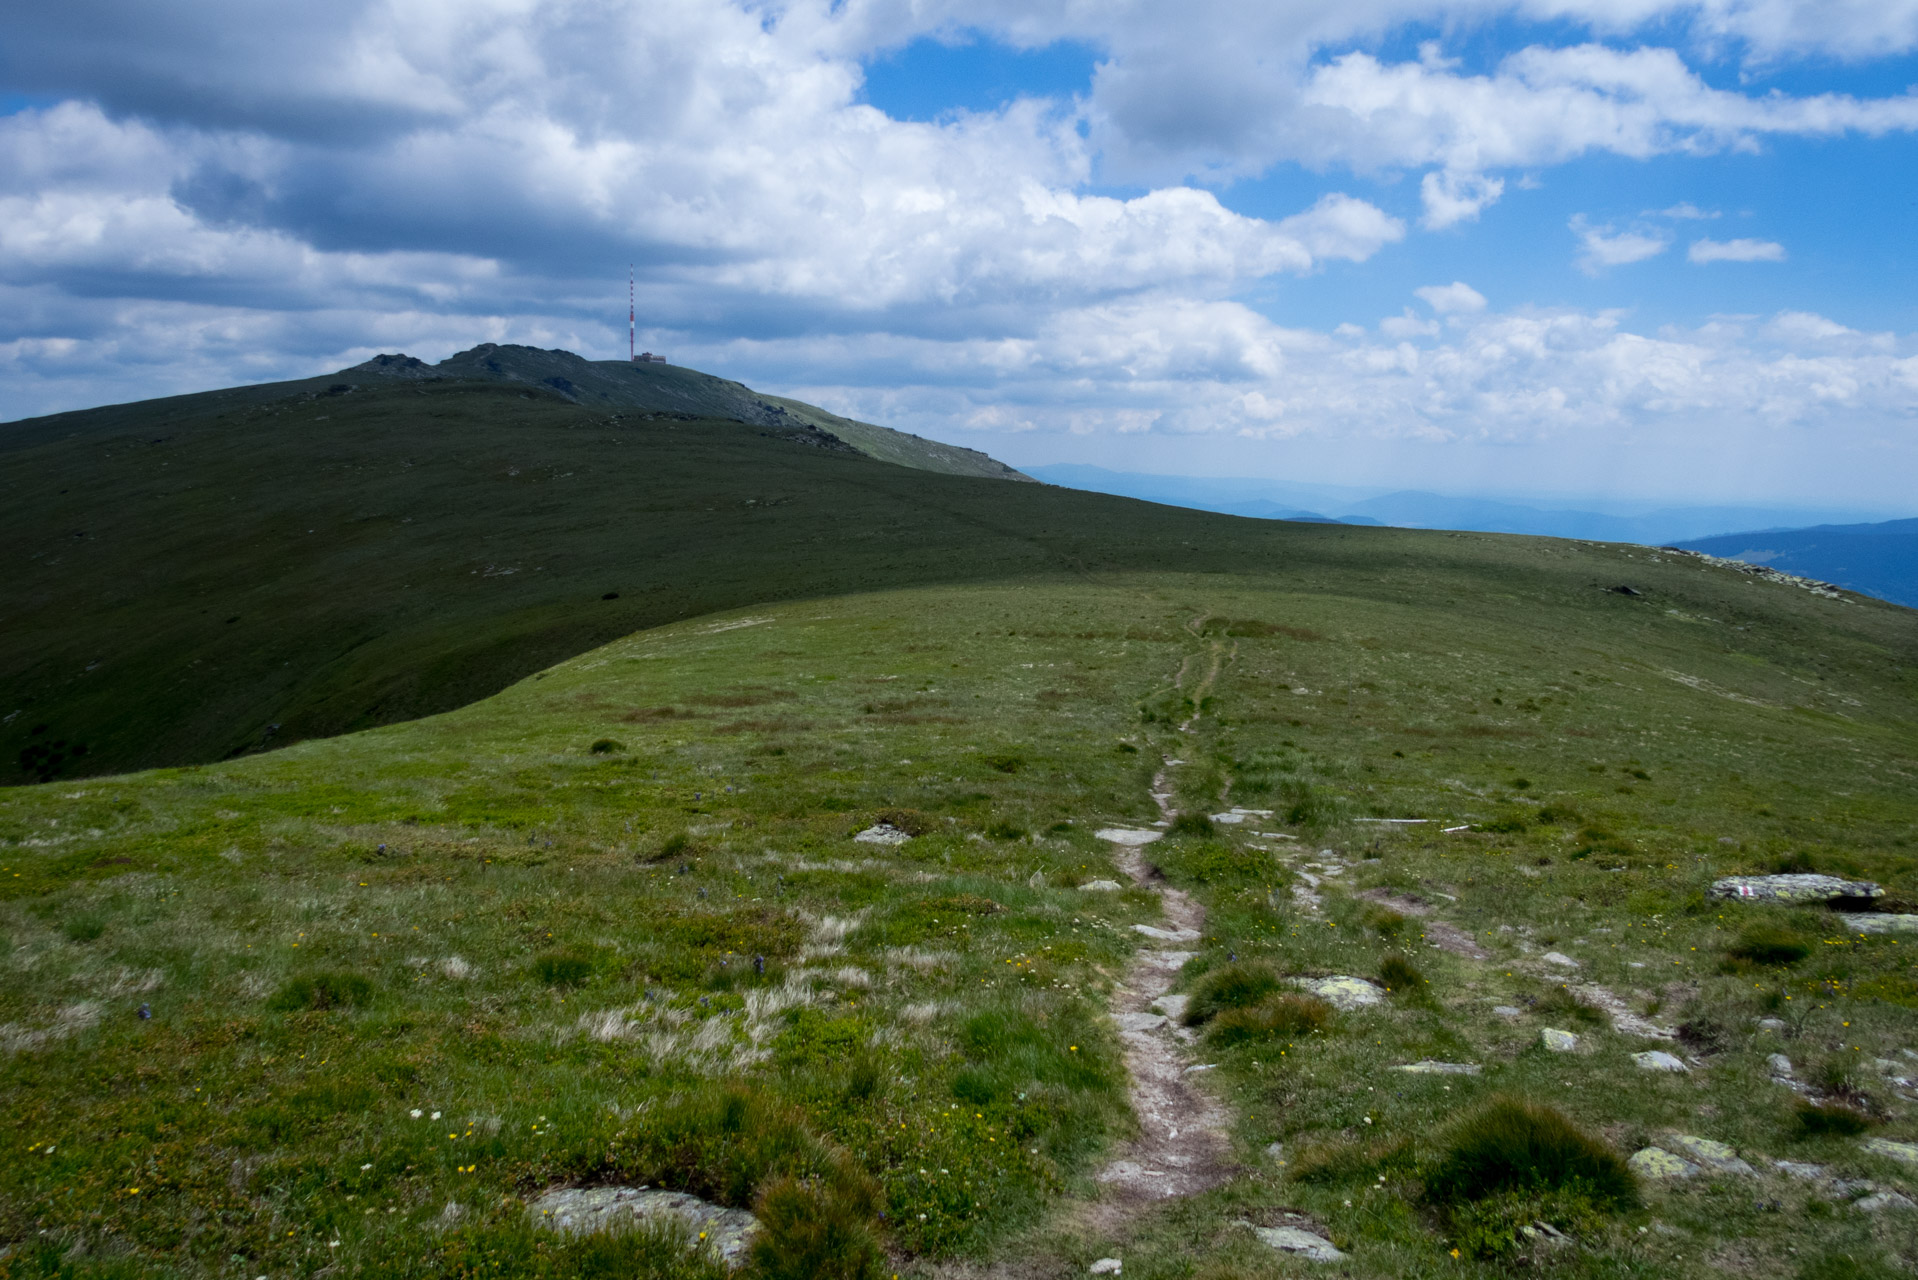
(1234,986)
(1829,1120)
(1560,1005)
(1400,977)
(334,989)
(1769,944)
(1271,1018)
(1510,1146)
(607,746)
(563,968)
(1193,824)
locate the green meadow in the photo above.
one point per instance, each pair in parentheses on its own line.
(350,1006)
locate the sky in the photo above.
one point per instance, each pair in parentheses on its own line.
(1631,250)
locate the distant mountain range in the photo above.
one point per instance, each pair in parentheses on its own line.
(1877,559)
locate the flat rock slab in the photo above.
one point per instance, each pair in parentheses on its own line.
(1904,1152)
(1344,993)
(1859,922)
(1101,886)
(1713,1155)
(1803,1172)
(1427,1067)
(1659,1060)
(1299,1242)
(1106,1267)
(1140,1021)
(727,1233)
(1557,1041)
(1793,888)
(1166,935)
(1880,1201)
(1660,1165)
(1560,959)
(1128,836)
(1228,819)
(884,833)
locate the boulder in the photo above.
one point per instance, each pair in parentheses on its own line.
(1298,1241)
(1904,1152)
(1558,1041)
(1659,1060)
(1713,1155)
(883,833)
(1795,889)
(1344,993)
(724,1233)
(1660,1165)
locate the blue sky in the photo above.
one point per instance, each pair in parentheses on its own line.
(1619,250)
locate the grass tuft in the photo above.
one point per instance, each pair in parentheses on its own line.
(1559,1004)
(334,989)
(1769,944)
(1235,986)
(563,968)
(1511,1146)
(1271,1018)
(607,746)
(1829,1120)
(1401,977)
(1193,824)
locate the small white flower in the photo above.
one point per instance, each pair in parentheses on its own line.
(415,1113)
(436,1115)
(365,1167)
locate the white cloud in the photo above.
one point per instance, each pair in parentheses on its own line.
(1447,299)
(1600,248)
(1736,251)
(1686,211)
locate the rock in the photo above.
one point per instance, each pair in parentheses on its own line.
(1713,1155)
(1167,935)
(1508,1011)
(1297,1240)
(1344,993)
(1140,1021)
(1803,1172)
(1228,819)
(1771,1024)
(1860,923)
(1037,880)
(1903,1152)
(1561,960)
(1557,1041)
(1128,836)
(883,833)
(1172,1006)
(1879,1201)
(1794,889)
(1780,1065)
(726,1233)
(1101,886)
(1275,1151)
(1427,1067)
(1658,1060)
(1659,1165)
(1105,1267)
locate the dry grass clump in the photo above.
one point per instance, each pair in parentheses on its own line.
(1271,1018)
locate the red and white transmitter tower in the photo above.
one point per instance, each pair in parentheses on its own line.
(632,322)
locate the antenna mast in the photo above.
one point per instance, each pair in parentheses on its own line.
(632,324)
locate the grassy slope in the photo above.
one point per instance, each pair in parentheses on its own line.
(942,1019)
(194,571)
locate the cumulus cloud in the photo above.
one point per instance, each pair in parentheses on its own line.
(1601,247)
(1742,250)
(1447,299)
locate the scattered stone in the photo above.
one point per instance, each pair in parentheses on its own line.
(726,1233)
(1560,959)
(1803,1172)
(1771,1024)
(1713,1155)
(1780,1065)
(1658,1060)
(1203,1066)
(1037,880)
(1795,889)
(1105,1267)
(1557,1041)
(1140,1021)
(1100,886)
(1427,1067)
(1228,819)
(1254,813)
(1508,1011)
(1275,1151)
(883,833)
(1659,1165)
(1166,935)
(1904,1152)
(1887,923)
(1344,993)
(1879,1201)
(1172,1006)
(1128,836)
(1296,1240)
